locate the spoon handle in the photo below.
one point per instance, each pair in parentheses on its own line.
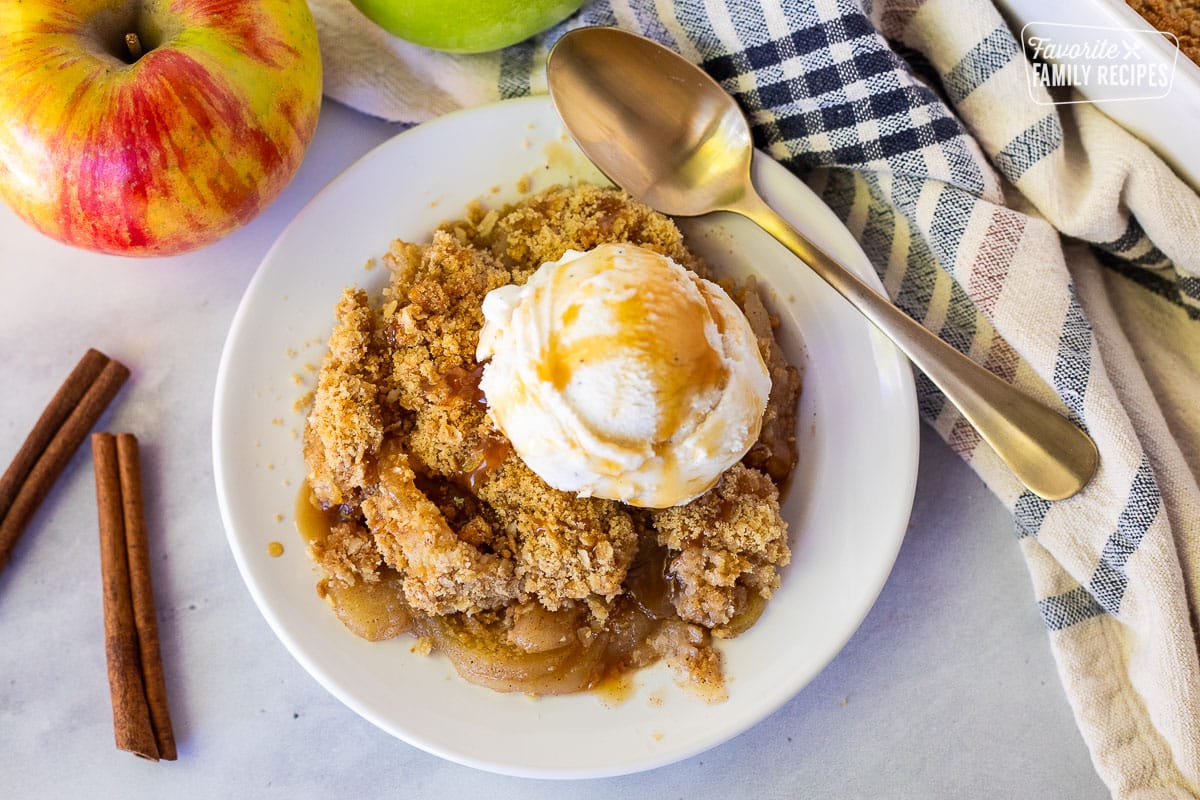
(1048,454)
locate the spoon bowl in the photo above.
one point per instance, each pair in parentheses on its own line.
(693,144)
(663,130)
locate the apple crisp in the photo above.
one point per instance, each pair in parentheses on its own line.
(425,521)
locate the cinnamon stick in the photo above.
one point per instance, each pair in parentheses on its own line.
(72,412)
(142,594)
(132,728)
(52,418)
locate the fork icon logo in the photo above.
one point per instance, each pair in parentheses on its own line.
(1132,50)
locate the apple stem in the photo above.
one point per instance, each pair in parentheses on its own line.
(134,44)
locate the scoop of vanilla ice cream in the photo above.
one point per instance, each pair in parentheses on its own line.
(618,373)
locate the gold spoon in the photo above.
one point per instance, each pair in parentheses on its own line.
(667,133)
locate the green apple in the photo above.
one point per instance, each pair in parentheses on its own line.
(466,26)
(152,127)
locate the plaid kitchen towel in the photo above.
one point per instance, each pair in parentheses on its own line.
(1043,240)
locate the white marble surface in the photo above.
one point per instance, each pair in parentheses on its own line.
(947,690)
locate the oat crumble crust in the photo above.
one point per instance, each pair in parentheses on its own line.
(399,441)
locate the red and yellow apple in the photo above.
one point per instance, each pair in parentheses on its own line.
(466,26)
(152,127)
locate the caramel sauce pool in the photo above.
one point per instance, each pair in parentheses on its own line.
(312,522)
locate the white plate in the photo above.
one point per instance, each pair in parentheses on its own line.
(847,507)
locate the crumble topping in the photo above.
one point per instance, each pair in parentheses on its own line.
(426,500)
